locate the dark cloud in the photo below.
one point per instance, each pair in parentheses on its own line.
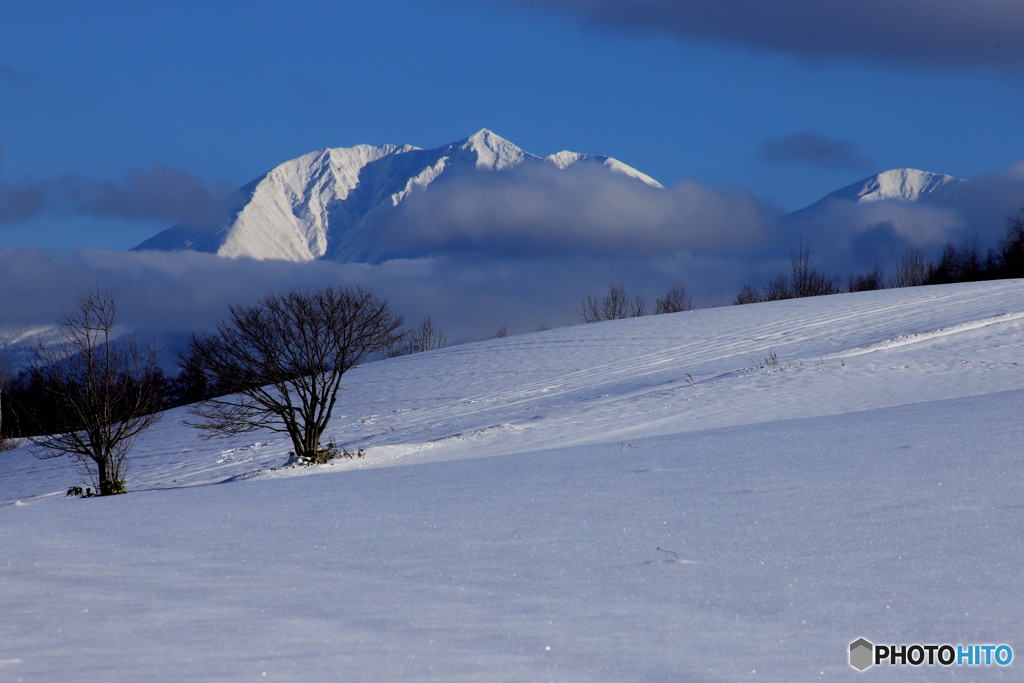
(540,209)
(161,193)
(813,148)
(942,33)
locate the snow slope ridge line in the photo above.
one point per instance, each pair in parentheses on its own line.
(617,380)
(907,339)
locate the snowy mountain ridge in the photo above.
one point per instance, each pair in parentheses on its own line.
(906,184)
(327,204)
(897,185)
(321,204)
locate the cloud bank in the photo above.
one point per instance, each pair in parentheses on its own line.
(935,33)
(480,251)
(582,210)
(161,193)
(468,296)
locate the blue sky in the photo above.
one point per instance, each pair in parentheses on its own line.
(790,105)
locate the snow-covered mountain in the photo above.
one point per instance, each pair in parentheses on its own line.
(331,204)
(907,184)
(902,184)
(320,205)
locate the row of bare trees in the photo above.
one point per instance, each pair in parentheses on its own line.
(616,304)
(803,280)
(424,337)
(276,364)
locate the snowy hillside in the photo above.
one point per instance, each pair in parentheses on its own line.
(724,494)
(321,204)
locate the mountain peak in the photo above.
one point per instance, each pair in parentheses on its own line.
(897,184)
(492,151)
(565,158)
(907,184)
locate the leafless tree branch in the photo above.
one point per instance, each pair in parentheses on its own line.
(106,391)
(281,361)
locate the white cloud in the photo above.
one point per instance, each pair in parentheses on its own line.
(538,209)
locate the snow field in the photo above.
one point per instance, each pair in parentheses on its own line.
(870,485)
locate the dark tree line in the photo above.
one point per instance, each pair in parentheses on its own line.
(956,263)
(965,262)
(28,406)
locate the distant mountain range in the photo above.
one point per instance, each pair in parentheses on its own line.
(325,204)
(320,205)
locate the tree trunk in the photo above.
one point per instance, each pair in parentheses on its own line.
(108,485)
(104,481)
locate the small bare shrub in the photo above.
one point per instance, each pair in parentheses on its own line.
(616,305)
(769,362)
(675,300)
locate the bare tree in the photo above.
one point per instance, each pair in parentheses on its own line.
(806,280)
(423,337)
(912,271)
(615,305)
(282,360)
(675,300)
(747,295)
(637,307)
(104,392)
(502,332)
(777,288)
(590,310)
(426,337)
(866,282)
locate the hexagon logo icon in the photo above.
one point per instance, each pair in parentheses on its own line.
(862,654)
